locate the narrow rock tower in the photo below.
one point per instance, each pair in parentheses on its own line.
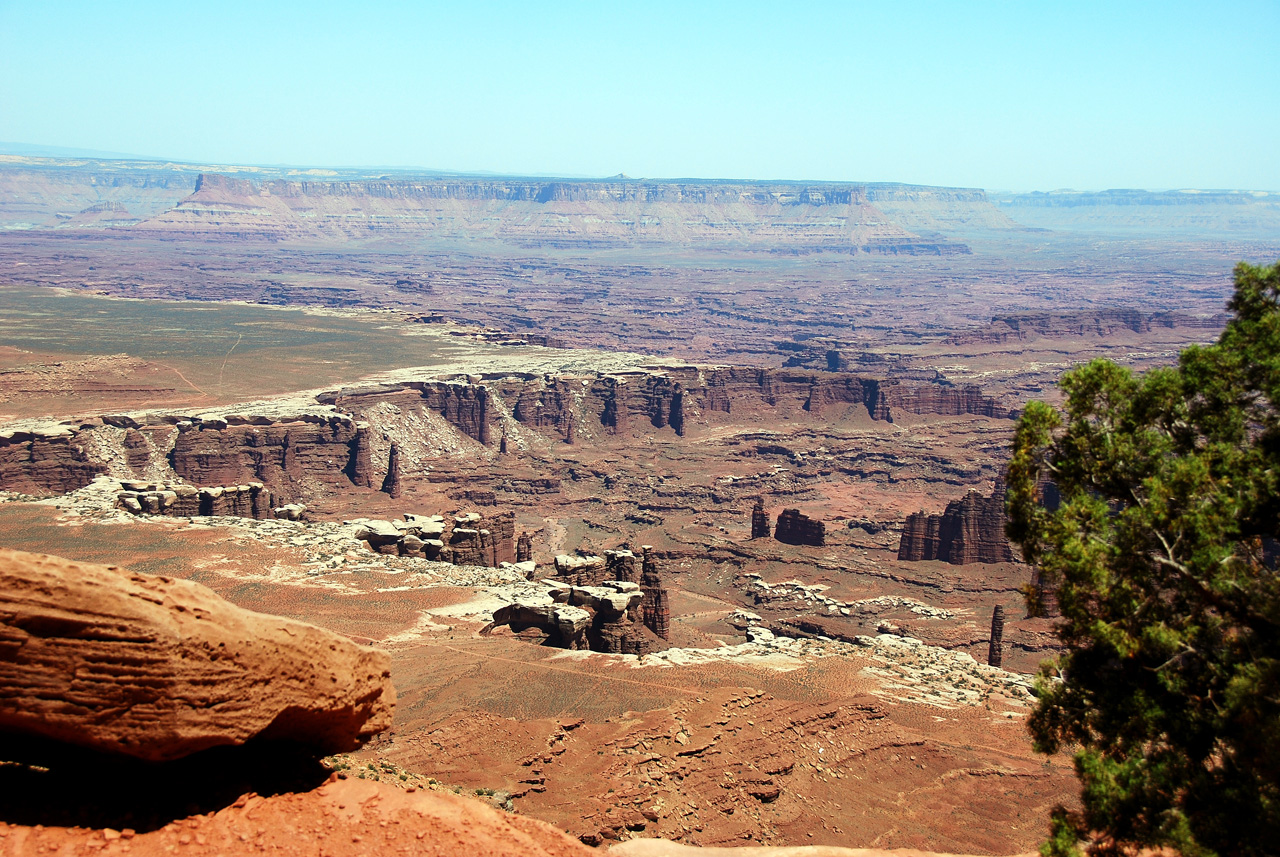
(391,484)
(524,548)
(655,609)
(995,653)
(759,520)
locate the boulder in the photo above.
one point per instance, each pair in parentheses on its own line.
(158,668)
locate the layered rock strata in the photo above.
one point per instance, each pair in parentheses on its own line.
(158,668)
(970,530)
(287,456)
(795,528)
(44,460)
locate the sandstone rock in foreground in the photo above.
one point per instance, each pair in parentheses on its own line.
(158,668)
(343,818)
(665,848)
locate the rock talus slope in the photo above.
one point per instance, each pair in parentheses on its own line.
(158,668)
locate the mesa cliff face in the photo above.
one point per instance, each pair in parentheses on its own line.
(970,530)
(1093,323)
(566,213)
(44,462)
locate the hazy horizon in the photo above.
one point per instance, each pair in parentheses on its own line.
(1007,98)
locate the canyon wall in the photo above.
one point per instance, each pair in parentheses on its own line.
(44,461)
(1092,323)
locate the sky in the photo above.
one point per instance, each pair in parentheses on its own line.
(1000,95)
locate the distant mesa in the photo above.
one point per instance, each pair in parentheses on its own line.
(771,216)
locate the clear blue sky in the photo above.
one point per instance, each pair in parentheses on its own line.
(1018,96)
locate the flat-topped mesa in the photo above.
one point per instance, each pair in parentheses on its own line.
(291,458)
(833,217)
(759,520)
(795,528)
(970,530)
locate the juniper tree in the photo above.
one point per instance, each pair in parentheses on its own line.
(1161,556)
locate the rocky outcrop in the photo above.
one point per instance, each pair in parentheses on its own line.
(604,618)
(970,530)
(340,818)
(795,528)
(655,608)
(587,570)
(524,548)
(44,460)
(158,668)
(250,500)
(759,520)
(470,539)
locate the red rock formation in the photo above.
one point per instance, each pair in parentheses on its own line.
(759,520)
(391,484)
(995,649)
(464,406)
(524,548)
(44,462)
(796,529)
(159,668)
(284,456)
(939,399)
(484,540)
(656,607)
(970,530)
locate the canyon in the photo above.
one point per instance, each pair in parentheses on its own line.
(675,505)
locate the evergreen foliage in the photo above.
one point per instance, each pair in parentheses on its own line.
(1161,556)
